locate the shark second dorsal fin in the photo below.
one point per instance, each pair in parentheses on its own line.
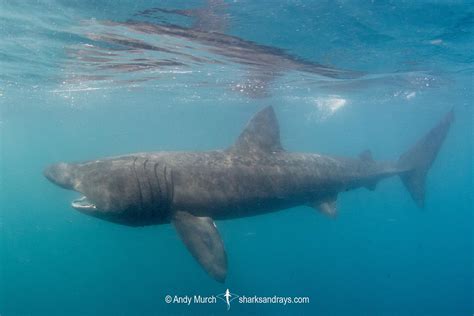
(261,135)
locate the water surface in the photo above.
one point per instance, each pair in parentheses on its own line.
(85,79)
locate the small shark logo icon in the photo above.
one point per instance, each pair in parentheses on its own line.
(227,297)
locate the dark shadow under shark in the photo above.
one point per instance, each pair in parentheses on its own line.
(254,176)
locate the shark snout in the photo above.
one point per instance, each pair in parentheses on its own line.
(60,174)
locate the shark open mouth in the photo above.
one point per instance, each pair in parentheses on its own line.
(83,203)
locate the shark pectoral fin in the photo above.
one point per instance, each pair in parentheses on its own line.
(327,206)
(202,239)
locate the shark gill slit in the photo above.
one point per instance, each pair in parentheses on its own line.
(138,183)
(167,186)
(150,213)
(172,187)
(160,196)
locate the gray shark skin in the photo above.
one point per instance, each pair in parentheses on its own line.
(254,176)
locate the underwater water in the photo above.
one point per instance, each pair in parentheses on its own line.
(81,80)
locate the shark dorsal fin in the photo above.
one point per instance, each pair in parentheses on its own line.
(261,135)
(366,156)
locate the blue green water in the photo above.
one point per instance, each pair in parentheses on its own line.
(380,256)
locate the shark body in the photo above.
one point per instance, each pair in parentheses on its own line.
(254,176)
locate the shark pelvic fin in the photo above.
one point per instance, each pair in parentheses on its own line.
(261,135)
(327,206)
(202,239)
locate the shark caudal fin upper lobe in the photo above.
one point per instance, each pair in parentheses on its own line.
(416,162)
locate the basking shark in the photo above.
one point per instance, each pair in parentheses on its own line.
(256,175)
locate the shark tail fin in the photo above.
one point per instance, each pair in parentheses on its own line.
(415,163)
